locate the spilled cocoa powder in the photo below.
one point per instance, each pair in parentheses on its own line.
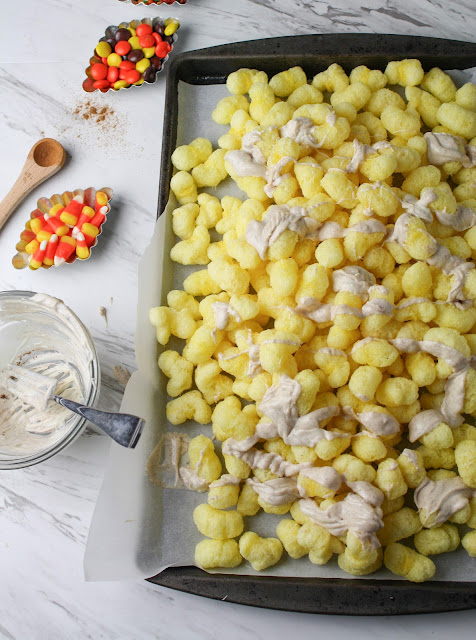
(97,113)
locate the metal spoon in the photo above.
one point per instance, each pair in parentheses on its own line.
(46,157)
(37,390)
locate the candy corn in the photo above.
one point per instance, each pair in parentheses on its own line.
(101,200)
(37,258)
(86,215)
(65,250)
(38,224)
(99,217)
(72,211)
(90,232)
(56,225)
(61,232)
(82,249)
(27,235)
(51,249)
(56,210)
(32,246)
(44,234)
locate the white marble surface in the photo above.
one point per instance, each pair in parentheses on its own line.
(45,511)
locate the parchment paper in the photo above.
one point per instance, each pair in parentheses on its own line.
(139,529)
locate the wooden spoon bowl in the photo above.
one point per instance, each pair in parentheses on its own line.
(46,158)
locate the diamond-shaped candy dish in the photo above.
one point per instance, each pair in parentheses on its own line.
(155,1)
(131,54)
(63,228)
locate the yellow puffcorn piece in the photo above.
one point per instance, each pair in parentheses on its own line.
(216,524)
(405,562)
(210,554)
(261,553)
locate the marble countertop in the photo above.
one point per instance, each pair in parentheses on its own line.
(45,511)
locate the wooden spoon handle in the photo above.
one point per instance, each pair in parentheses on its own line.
(20,190)
(31,176)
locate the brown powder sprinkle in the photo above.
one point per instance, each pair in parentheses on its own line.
(95,113)
(47,153)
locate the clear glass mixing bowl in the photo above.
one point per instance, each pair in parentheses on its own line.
(24,324)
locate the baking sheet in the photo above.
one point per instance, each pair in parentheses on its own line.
(139,529)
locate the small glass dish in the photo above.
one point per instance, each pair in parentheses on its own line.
(134,64)
(48,247)
(41,332)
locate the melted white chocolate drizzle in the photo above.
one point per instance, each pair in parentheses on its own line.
(278,218)
(354,513)
(453,402)
(444,147)
(438,501)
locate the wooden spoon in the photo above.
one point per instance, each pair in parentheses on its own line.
(46,157)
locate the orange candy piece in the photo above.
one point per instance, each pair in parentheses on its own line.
(37,258)
(72,211)
(56,225)
(50,253)
(86,216)
(65,250)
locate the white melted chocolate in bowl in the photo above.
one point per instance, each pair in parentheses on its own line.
(41,333)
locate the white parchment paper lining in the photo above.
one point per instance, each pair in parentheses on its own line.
(139,529)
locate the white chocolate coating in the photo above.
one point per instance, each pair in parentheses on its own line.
(222,311)
(367,491)
(192,480)
(444,147)
(41,334)
(353,514)
(257,459)
(249,145)
(278,491)
(328,477)
(226,480)
(380,424)
(279,405)
(442,499)
(300,130)
(163,465)
(353,279)
(278,218)
(452,405)
(419,207)
(412,457)
(464,218)
(245,165)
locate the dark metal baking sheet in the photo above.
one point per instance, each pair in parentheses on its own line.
(313,53)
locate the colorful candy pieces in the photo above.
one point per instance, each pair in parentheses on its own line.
(130,54)
(63,231)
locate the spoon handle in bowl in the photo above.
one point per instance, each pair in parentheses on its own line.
(121,427)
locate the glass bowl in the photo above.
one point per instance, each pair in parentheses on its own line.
(38,326)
